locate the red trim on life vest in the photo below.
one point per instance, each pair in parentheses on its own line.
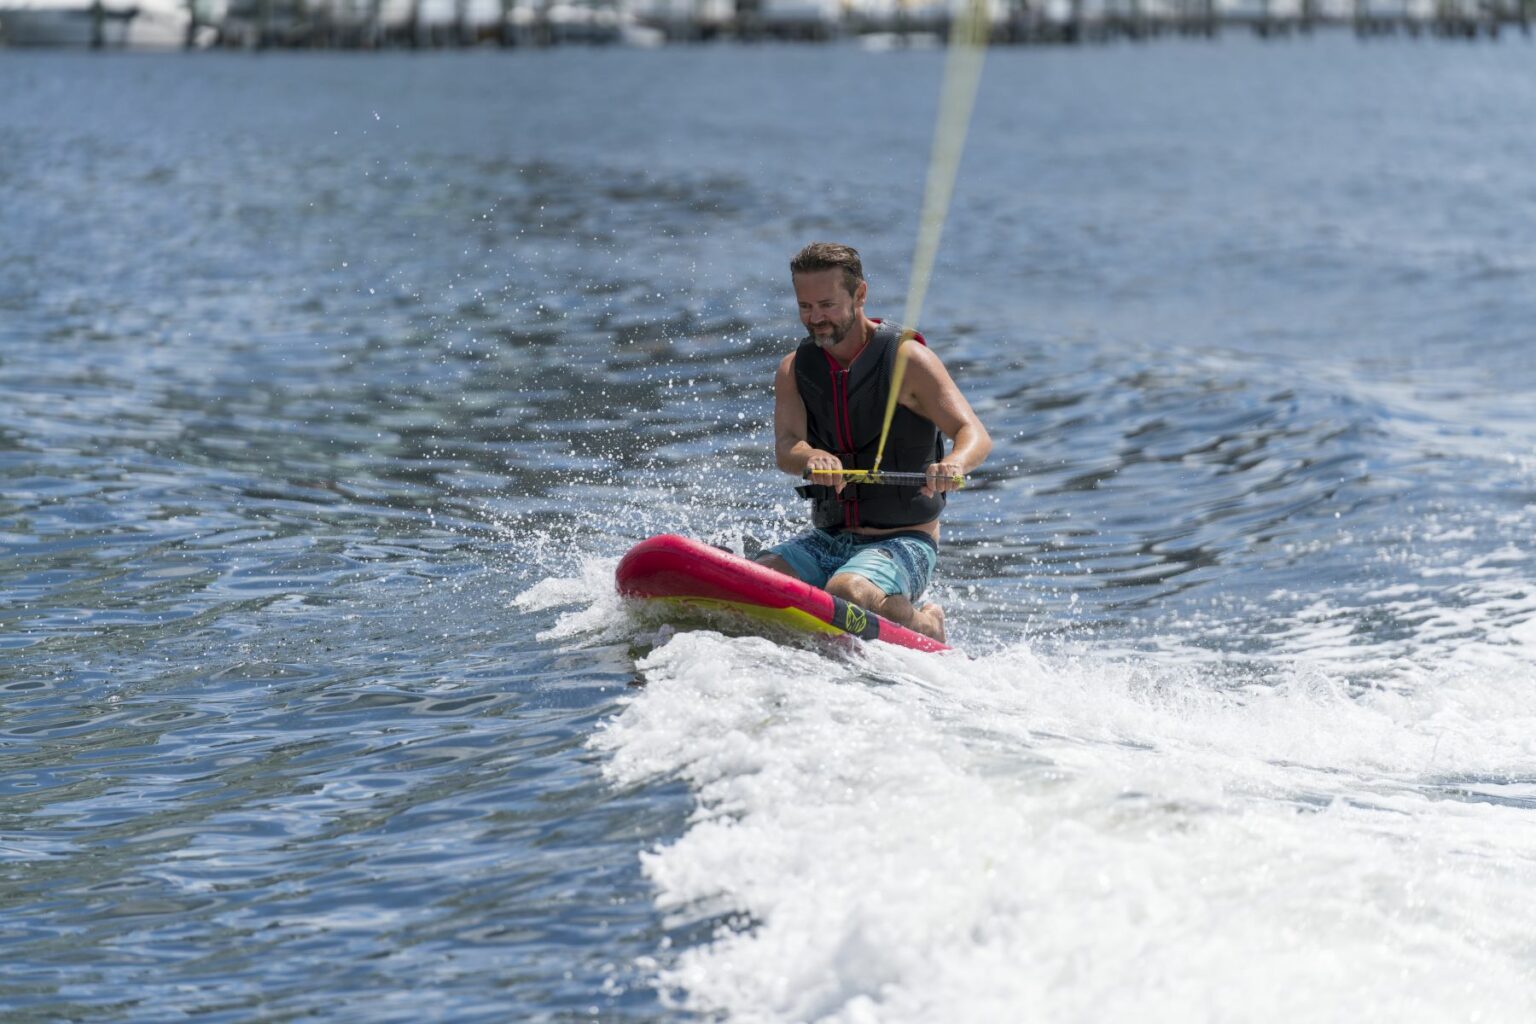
(842,422)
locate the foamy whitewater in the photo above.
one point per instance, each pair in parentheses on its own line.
(886,836)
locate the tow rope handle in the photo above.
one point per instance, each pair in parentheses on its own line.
(888,478)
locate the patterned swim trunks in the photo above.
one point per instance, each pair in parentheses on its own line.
(897,563)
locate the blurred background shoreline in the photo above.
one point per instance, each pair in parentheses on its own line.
(873,24)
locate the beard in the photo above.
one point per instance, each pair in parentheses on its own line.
(834,337)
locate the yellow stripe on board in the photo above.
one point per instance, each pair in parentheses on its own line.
(962,74)
(792,618)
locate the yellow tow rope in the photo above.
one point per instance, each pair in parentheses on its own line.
(962,73)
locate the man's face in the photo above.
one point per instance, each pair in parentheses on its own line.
(827,310)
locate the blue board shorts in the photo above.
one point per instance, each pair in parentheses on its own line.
(898,563)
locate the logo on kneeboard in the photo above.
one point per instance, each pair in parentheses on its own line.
(854,619)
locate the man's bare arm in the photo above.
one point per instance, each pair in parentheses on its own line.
(929,391)
(793,452)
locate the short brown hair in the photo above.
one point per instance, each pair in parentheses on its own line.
(830,256)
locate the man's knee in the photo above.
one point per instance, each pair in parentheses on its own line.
(860,591)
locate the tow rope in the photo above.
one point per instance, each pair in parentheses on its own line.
(962,74)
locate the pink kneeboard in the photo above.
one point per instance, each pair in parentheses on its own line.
(675,570)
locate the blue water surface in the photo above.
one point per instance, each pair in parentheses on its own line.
(311,364)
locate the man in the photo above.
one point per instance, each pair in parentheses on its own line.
(873,545)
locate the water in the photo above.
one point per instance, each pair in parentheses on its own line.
(335,385)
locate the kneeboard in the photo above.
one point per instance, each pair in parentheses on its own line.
(676,570)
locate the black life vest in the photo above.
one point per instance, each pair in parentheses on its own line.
(844,410)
